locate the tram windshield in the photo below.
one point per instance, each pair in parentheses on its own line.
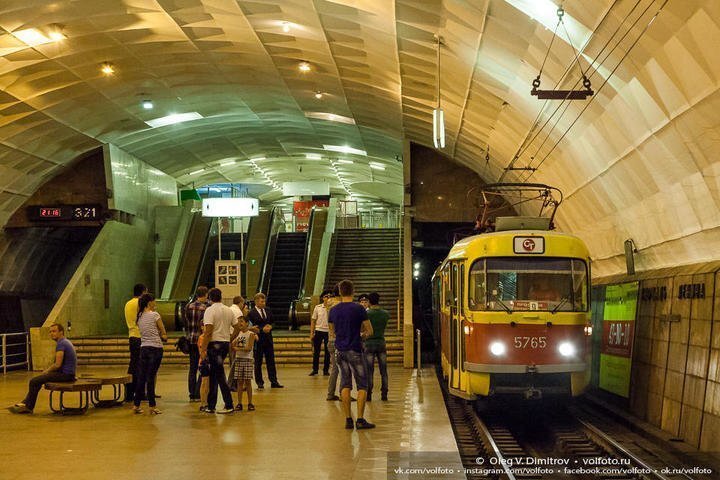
(522,284)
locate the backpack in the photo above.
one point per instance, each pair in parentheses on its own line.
(183,345)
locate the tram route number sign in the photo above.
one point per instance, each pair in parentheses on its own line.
(532,245)
(78,213)
(530,342)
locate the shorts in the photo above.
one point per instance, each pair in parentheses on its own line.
(352,363)
(204,368)
(243,369)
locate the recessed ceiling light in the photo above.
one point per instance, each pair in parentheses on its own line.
(173,118)
(318,94)
(147,104)
(377,166)
(286,27)
(344,149)
(313,156)
(347,162)
(257,159)
(229,162)
(32,37)
(330,117)
(197,171)
(107,68)
(304,67)
(55,32)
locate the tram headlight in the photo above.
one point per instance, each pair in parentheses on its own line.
(466,329)
(497,348)
(588,330)
(566,349)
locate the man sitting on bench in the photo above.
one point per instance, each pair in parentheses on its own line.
(63,370)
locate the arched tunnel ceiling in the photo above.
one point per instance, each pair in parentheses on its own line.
(637,160)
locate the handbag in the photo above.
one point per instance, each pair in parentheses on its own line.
(183,345)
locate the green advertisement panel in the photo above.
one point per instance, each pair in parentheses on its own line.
(618,329)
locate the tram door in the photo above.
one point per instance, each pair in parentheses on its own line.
(455,327)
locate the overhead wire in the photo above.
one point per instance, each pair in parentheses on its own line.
(600,88)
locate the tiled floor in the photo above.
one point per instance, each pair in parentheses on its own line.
(294,434)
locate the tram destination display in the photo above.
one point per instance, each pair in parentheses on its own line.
(77,213)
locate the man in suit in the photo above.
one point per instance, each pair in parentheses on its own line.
(261,318)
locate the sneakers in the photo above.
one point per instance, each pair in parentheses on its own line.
(194,399)
(349,423)
(137,410)
(155,411)
(251,407)
(362,424)
(20,409)
(312,374)
(210,411)
(333,398)
(203,408)
(276,385)
(224,411)
(238,407)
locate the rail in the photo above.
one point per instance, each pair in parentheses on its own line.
(5,354)
(276,221)
(418,349)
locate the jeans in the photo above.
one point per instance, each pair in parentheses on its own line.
(265,347)
(352,364)
(318,340)
(370,357)
(133,368)
(36,384)
(332,381)
(193,381)
(217,352)
(150,358)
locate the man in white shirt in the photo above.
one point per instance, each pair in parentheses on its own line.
(319,333)
(220,327)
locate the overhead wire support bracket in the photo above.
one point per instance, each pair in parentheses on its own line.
(562,94)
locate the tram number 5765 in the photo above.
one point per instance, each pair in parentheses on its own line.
(532,342)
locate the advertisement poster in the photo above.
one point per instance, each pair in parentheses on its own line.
(618,329)
(302,210)
(227,278)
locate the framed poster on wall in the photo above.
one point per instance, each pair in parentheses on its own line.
(227,279)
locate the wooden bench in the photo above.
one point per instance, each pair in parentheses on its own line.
(83,387)
(118,383)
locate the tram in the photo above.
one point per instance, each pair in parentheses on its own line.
(511,304)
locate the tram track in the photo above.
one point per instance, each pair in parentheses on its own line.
(546,444)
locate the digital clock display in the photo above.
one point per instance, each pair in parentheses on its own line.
(65,212)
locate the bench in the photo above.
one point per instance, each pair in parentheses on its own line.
(118,382)
(83,387)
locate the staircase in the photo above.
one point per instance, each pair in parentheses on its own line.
(371,259)
(290,349)
(285,276)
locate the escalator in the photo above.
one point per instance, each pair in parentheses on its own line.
(187,259)
(286,275)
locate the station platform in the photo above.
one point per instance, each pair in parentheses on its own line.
(294,433)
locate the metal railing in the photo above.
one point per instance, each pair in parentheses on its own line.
(6,356)
(418,349)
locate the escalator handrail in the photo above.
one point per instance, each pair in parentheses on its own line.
(203,258)
(306,255)
(269,249)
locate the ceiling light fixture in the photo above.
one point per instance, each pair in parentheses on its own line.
(438,114)
(330,117)
(197,171)
(347,162)
(286,27)
(107,68)
(304,67)
(318,94)
(225,164)
(313,156)
(376,166)
(345,149)
(55,32)
(173,118)
(257,159)
(32,37)
(147,104)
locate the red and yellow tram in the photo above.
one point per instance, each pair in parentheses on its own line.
(512,310)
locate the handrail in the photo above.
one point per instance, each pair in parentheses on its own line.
(203,258)
(306,256)
(418,334)
(269,245)
(5,355)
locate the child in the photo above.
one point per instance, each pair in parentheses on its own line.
(204,369)
(243,366)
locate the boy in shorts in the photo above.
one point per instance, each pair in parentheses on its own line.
(243,369)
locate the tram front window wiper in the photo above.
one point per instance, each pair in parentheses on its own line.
(562,302)
(496,298)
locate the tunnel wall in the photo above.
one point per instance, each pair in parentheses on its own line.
(675,378)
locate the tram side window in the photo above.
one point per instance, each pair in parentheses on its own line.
(580,283)
(477,294)
(446,286)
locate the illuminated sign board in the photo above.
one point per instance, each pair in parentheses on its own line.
(230,207)
(90,213)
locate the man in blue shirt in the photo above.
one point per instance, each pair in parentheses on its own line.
(349,324)
(63,370)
